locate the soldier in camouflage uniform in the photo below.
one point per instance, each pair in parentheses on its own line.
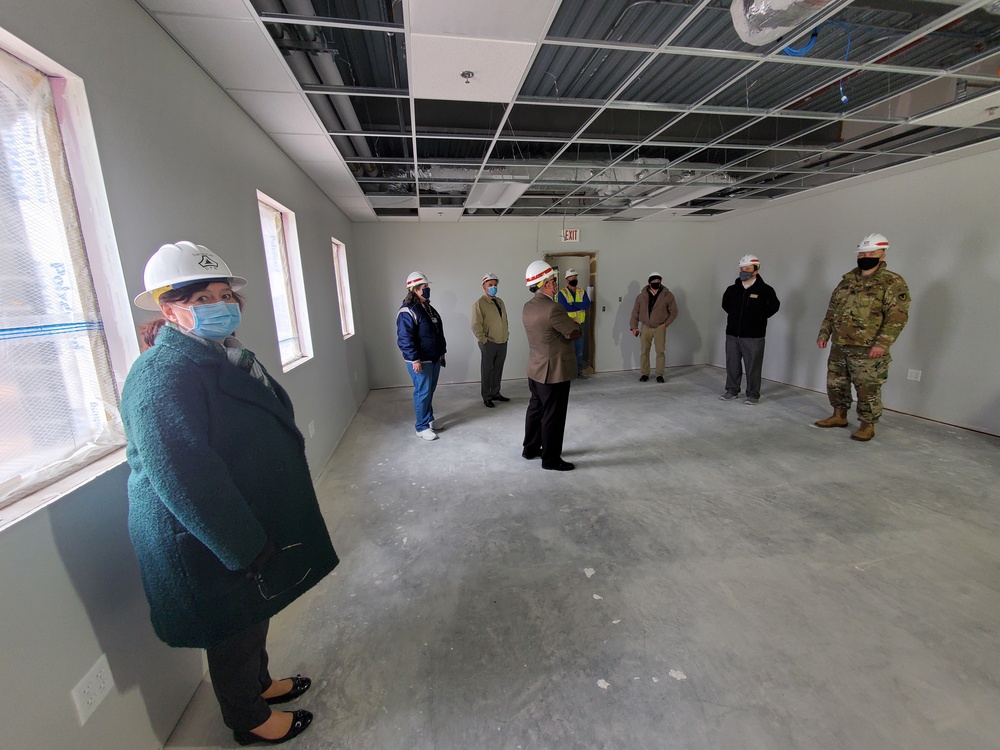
(867,311)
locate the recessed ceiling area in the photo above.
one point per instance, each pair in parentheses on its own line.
(623,110)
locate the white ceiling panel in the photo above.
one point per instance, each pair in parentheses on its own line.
(216,8)
(514,20)
(279,112)
(236,53)
(439,61)
(441,213)
(307,147)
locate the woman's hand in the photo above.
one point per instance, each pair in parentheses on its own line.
(263,558)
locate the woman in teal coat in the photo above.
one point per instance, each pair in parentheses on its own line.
(222,511)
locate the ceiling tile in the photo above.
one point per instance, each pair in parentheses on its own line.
(439,61)
(279,112)
(216,8)
(308,147)
(513,20)
(441,213)
(236,53)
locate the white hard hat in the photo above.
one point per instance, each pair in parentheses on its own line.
(873,241)
(749,260)
(538,272)
(654,276)
(179,264)
(417,277)
(490,277)
(571,272)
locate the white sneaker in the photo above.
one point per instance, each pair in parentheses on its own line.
(427,434)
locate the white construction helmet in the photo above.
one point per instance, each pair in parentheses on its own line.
(571,272)
(874,241)
(490,277)
(538,272)
(417,277)
(179,264)
(749,260)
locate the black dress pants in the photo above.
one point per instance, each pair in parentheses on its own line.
(238,667)
(545,421)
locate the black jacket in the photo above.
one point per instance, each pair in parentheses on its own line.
(749,309)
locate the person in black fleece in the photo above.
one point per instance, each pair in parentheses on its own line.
(749,302)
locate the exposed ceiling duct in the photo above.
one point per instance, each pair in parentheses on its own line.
(760,22)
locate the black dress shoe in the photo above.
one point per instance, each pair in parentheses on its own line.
(498,397)
(300,721)
(530,455)
(559,465)
(643,378)
(659,378)
(488,402)
(299,685)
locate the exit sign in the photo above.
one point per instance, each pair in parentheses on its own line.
(571,235)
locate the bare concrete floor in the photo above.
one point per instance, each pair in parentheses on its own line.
(713,576)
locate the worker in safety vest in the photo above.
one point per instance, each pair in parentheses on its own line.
(576,303)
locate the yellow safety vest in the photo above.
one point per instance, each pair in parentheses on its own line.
(580,315)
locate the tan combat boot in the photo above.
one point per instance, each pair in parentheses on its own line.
(865,432)
(839,419)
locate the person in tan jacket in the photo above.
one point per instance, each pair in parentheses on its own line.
(490,327)
(655,309)
(551,367)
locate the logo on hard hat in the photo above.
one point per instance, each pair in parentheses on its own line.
(207,262)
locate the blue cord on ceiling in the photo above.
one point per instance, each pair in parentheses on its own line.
(805,49)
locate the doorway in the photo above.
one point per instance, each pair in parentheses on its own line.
(585,265)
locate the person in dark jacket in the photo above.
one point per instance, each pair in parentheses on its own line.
(420,337)
(222,511)
(749,302)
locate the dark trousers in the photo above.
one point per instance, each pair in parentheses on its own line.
(545,421)
(740,351)
(238,667)
(491,369)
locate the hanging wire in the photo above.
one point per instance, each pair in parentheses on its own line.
(805,49)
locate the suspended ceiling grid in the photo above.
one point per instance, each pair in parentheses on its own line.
(621,110)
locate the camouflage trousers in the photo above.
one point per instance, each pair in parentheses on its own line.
(851,364)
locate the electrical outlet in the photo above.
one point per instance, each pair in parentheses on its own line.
(312,429)
(913,374)
(92,689)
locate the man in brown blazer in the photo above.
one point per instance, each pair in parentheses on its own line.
(551,367)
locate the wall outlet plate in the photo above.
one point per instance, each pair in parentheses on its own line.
(913,374)
(92,689)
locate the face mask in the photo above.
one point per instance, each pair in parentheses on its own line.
(867,264)
(745,275)
(572,283)
(425,292)
(215,321)
(492,291)
(654,284)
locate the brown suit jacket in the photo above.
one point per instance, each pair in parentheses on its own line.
(551,356)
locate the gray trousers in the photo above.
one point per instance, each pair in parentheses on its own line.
(491,369)
(740,351)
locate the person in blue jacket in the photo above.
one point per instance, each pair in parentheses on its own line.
(222,511)
(420,337)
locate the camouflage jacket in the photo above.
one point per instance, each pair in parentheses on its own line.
(867,310)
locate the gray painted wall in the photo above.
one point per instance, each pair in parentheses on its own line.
(944,234)
(456,256)
(945,240)
(181,161)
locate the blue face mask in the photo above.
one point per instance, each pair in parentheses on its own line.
(425,292)
(215,321)
(492,291)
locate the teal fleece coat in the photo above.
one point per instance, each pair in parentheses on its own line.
(218,467)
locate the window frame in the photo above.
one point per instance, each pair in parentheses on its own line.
(295,281)
(343,288)
(97,229)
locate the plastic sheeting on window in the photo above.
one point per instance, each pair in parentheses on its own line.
(58,399)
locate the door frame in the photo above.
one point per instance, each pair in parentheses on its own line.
(590,337)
